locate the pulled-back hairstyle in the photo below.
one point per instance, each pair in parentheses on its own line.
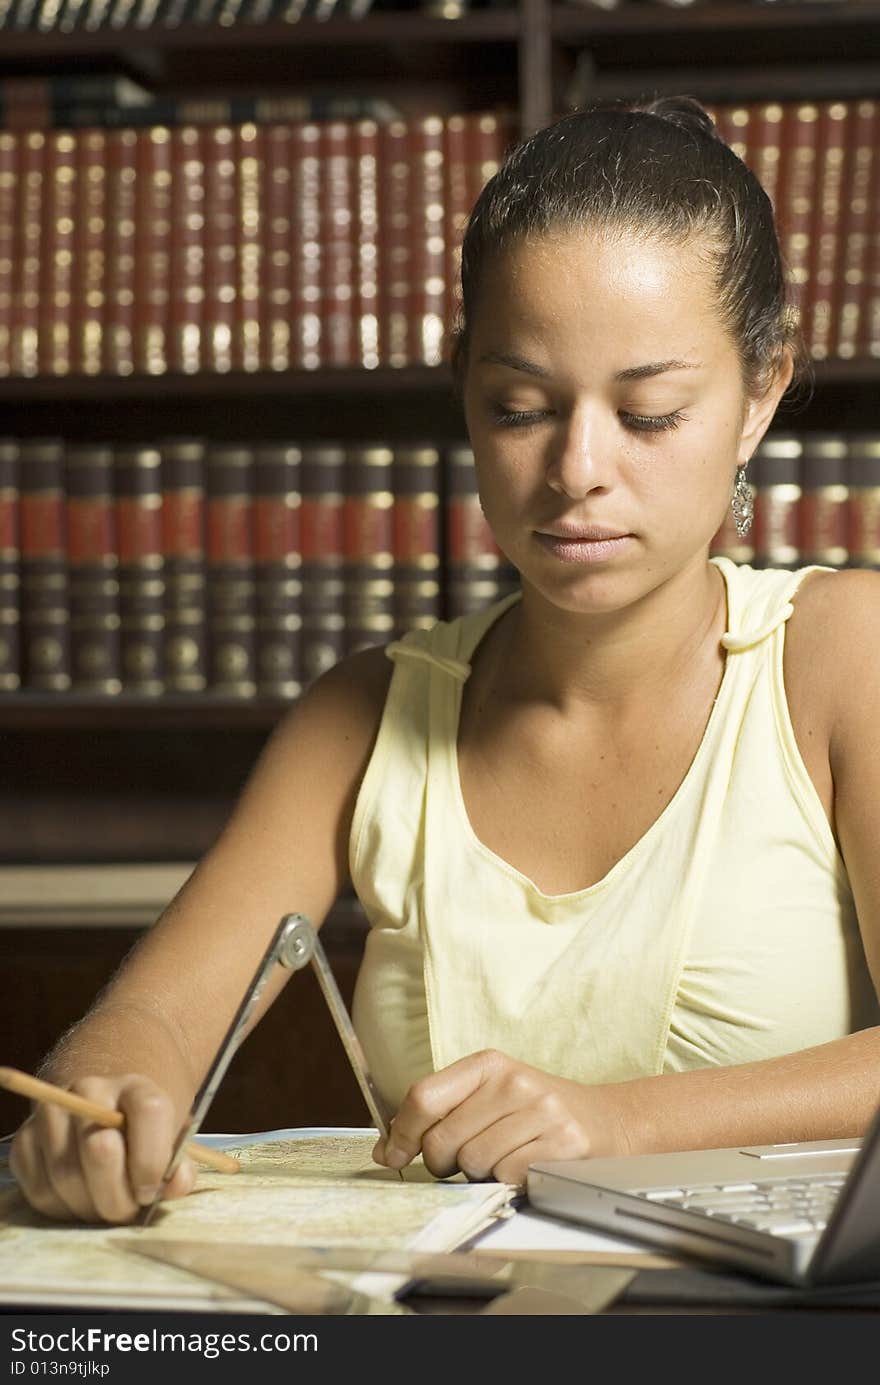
(655,168)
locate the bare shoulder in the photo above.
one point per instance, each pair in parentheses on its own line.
(832,644)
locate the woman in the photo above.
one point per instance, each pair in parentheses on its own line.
(615,836)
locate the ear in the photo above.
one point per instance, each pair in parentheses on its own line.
(759,409)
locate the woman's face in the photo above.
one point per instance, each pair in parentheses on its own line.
(603,394)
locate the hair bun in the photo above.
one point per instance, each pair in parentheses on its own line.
(683,111)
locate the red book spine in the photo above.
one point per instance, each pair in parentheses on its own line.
(45,602)
(92,568)
(89,257)
(9,197)
(369,547)
(395,241)
(427,310)
(141,577)
(119,300)
(457,204)
(825,267)
(10,559)
(306,345)
(368,265)
(416,537)
(275,282)
(185,654)
(477,573)
(60,165)
(25,334)
(247,350)
(796,193)
(733,126)
(776,479)
(869,333)
(323,558)
(220,237)
(764,149)
(488,135)
(231,575)
(337,204)
(863,484)
(187,289)
(152,250)
(848,328)
(824,507)
(278,545)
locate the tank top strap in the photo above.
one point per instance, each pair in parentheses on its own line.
(453,667)
(763,601)
(448,645)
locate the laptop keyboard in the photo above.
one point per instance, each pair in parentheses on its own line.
(780,1206)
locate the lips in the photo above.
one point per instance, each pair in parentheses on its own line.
(588,533)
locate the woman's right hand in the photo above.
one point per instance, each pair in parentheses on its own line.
(73,1170)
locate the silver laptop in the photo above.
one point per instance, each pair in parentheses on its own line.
(806,1214)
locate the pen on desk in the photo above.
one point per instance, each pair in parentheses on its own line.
(37,1090)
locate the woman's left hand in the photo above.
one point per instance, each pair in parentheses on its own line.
(490,1116)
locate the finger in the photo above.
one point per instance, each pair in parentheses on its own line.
(514,1092)
(150,1128)
(561,1143)
(28,1168)
(103,1158)
(59,1144)
(430,1100)
(182,1181)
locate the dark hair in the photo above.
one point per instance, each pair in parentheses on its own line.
(656,165)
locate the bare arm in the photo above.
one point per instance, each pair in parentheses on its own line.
(148,1040)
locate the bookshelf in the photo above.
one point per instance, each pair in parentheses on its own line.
(107,779)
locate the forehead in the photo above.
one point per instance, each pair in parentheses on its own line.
(616,291)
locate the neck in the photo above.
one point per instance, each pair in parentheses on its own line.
(613,660)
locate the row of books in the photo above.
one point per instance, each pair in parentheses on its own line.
(819,163)
(91,16)
(236,247)
(243,569)
(111,100)
(188,566)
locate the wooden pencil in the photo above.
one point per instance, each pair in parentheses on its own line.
(33,1087)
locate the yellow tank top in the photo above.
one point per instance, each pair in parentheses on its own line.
(726,934)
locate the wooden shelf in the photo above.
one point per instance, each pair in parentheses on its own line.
(29,711)
(583,21)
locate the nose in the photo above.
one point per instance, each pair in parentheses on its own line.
(581,456)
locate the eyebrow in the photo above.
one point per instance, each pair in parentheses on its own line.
(635,372)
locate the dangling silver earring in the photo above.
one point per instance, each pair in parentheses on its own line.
(743,503)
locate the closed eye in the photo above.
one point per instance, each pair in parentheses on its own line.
(642,423)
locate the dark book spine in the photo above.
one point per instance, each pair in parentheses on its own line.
(477,573)
(863,484)
(152,251)
(764,149)
(119,297)
(231,574)
(323,558)
(45,602)
(10,560)
(369,547)
(247,347)
(278,544)
(275,281)
(9,195)
(141,576)
(395,242)
(416,485)
(221,246)
(368,264)
(25,326)
(306,273)
(185,647)
(427,304)
(336,159)
(776,473)
(89,259)
(92,567)
(187,289)
(869,332)
(824,531)
(456,201)
(864,169)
